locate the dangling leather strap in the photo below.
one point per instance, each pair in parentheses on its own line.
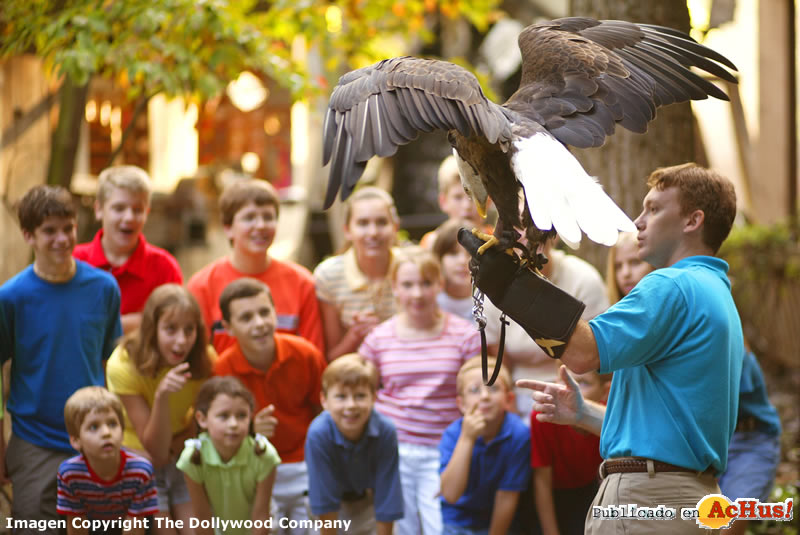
(500,350)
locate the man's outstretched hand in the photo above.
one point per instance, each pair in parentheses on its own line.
(564,404)
(556,403)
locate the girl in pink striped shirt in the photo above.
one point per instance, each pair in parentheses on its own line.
(418,353)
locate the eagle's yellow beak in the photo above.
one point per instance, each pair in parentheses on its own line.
(481,207)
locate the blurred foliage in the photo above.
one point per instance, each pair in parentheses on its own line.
(193,48)
(762,252)
(773,527)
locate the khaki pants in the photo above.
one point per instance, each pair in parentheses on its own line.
(361,513)
(33,473)
(671,489)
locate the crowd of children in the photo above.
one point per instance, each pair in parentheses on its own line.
(263,399)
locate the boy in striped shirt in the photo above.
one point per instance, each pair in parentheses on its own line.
(104,482)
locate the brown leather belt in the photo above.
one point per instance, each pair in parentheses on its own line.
(629,465)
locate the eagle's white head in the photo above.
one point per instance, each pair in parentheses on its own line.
(472,184)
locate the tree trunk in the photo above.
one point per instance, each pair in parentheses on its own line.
(626,159)
(72,103)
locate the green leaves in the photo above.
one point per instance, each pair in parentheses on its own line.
(194,48)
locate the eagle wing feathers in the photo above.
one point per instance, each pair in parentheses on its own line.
(636,68)
(374,110)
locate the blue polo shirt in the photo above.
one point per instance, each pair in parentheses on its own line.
(502,464)
(58,336)
(675,346)
(753,399)
(337,466)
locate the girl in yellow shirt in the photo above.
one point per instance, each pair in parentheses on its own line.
(157,371)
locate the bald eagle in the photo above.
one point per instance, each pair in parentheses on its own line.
(580,79)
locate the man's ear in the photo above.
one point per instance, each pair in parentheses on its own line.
(322,401)
(75,442)
(694,221)
(98,210)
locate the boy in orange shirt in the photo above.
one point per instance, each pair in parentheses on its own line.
(249,210)
(284,373)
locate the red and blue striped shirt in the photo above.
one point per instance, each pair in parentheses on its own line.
(82,492)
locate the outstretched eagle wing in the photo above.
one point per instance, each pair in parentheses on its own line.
(374,110)
(581,77)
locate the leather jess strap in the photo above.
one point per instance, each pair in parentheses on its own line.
(635,465)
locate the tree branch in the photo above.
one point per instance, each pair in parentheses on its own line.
(140,106)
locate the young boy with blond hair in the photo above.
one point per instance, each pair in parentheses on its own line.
(351,452)
(104,482)
(249,210)
(485,456)
(119,247)
(59,320)
(565,462)
(453,200)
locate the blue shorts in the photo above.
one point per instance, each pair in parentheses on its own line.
(752,460)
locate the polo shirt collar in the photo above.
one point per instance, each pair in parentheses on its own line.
(373,430)
(136,264)
(355,278)
(712,262)
(211,456)
(241,366)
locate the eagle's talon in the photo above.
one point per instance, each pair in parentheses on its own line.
(490,241)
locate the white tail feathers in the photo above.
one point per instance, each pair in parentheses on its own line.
(561,195)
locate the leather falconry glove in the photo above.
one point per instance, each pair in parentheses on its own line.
(546,312)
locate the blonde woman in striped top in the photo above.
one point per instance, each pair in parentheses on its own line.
(353,288)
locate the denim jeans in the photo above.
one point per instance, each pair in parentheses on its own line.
(752,460)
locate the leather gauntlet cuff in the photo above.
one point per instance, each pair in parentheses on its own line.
(546,312)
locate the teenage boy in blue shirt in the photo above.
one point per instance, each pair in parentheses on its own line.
(59,322)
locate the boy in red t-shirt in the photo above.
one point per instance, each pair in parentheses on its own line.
(565,461)
(119,247)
